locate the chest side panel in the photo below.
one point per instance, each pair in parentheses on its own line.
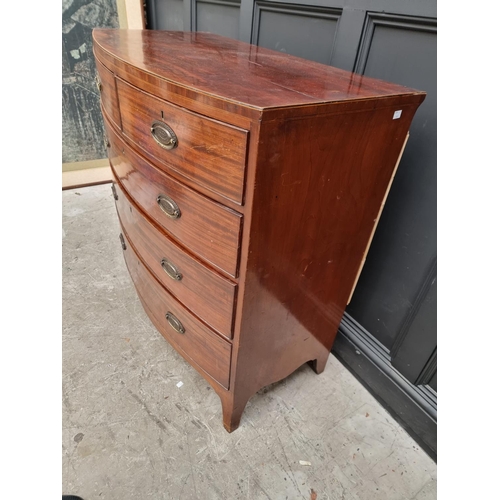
(319,185)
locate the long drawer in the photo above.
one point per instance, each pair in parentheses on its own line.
(203,291)
(206,151)
(197,343)
(208,229)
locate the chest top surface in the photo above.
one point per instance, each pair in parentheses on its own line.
(238,72)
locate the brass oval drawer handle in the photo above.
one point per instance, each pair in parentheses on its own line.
(168,206)
(175,323)
(122,241)
(164,135)
(98,84)
(171,270)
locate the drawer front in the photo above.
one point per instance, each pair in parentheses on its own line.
(207,152)
(107,88)
(208,229)
(203,291)
(197,343)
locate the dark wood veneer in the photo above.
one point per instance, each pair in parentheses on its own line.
(208,229)
(320,151)
(203,291)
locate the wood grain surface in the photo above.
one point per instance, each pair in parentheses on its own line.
(320,154)
(236,71)
(203,291)
(209,152)
(109,98)
(208,229)
(319,183)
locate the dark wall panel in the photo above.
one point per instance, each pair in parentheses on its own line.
(401,50)
(167,14)
(220,17)
(302,31)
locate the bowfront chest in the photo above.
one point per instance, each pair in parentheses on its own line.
(248,184)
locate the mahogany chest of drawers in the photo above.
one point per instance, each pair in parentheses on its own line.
(248,184)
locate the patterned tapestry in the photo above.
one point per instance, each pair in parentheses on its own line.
(82,126)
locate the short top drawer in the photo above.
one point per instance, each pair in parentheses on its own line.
(203,291)
(207,152)
(107,88)
(206,228)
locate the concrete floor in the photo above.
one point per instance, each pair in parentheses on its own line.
(130,431)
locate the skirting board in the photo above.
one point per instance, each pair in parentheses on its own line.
(88,177)
(414,408)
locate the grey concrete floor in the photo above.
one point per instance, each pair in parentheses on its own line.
(132,431)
